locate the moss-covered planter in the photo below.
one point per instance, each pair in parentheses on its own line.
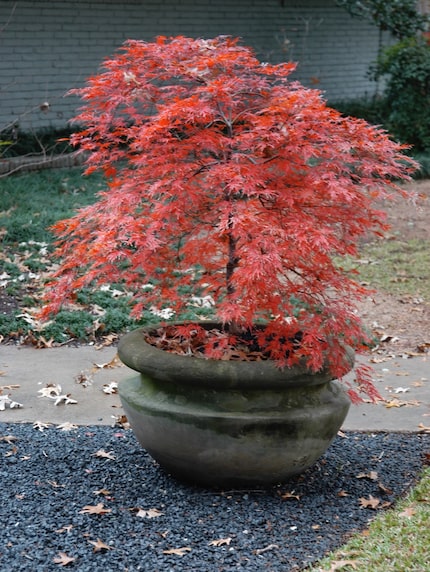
(228,423)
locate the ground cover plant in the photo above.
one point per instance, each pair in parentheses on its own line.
(30,203)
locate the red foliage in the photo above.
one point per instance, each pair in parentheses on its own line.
(228,178)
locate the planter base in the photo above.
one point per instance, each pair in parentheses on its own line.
(233,437)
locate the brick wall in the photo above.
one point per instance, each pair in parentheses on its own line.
(48,47)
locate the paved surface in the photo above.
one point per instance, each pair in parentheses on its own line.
(84,374)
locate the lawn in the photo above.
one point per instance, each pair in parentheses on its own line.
(29,204)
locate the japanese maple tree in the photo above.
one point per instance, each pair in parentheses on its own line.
(229,179)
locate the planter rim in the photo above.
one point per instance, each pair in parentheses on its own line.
(162,365)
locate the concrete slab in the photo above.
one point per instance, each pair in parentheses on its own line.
(80,372)
(83,372)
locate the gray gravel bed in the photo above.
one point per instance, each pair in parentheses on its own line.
(47,478)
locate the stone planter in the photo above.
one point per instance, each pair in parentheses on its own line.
(228,423)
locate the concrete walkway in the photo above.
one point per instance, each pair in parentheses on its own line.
(37,379)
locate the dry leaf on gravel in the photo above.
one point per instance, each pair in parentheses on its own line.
(95,509)
(104,454)
(290,496)
(67,426)
(63,559)
(220,542)
(371,502)
(340,564)
(372,475)
(178,551)
(99,545)
(41,426)
(150,513)
(8,439)
(266,549)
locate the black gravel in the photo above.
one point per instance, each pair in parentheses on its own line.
(47,478)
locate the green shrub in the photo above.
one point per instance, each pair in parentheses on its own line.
(406,65)
(14,142)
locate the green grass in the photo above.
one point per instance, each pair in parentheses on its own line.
(398,540)
(29,205)
(32,202)
(396,266)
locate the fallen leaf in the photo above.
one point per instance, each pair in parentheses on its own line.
(110,388)
(9,439)
(5,400)
(103,492)
(41,426)
(104,454)
(95,509)
(289,496)
(150,513)
(66,528)
(51,390)
(178,551)
(63,560)
(66,398)
(392,403)
(121,421)
(423,428)
(266,548)
(67,426)
(84,379)
(55,485)
(99,545)
(371,502)
(114,362)
(372,475)
(408,512)
(339,564)
(385,489)
(220,542)
(342,494)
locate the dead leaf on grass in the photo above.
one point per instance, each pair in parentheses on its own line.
(339,564)
(409,512)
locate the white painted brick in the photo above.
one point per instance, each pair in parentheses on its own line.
(49,47)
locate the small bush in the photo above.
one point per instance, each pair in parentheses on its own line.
(407,96)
